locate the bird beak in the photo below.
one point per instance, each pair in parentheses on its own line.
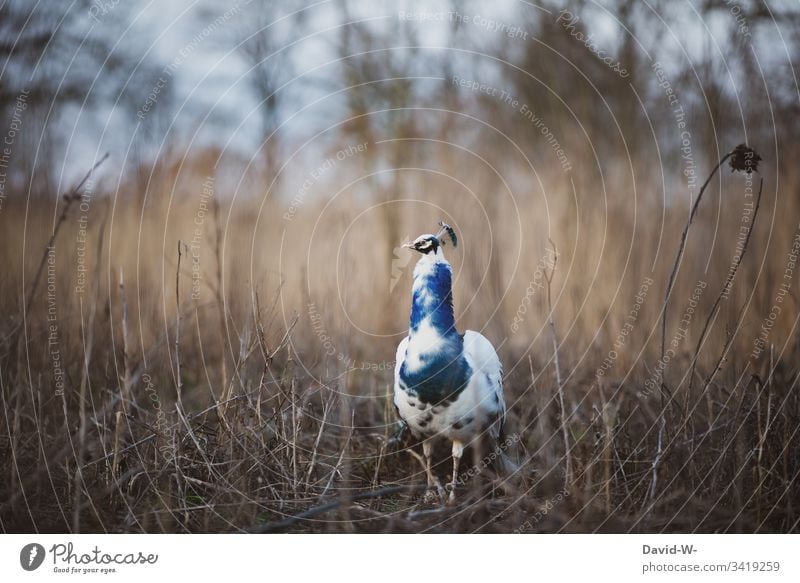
(407,245)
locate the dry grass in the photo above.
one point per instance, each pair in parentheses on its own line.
(253,405)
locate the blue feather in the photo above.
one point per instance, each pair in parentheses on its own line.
(434,299)
(445,371)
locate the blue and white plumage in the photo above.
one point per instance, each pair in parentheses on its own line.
(446,385)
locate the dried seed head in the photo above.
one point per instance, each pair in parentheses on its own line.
(744,159)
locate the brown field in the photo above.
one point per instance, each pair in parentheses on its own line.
(205,345)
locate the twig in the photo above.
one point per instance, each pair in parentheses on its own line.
(218,292)
(341,458)
(725,287)
(678,258)
(657,458)
(333,505)
(567,452)
(325,409)
(295,431)
(762,435)
(125,395)
(88,344)
(69,198)
(178,380)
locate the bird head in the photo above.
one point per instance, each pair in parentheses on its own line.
(428,243)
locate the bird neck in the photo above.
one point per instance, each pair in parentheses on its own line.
(432,297)
(434,367)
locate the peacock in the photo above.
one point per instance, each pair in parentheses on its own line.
(446,385)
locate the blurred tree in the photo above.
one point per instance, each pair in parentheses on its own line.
(265,42)
(58,54)
(380,105)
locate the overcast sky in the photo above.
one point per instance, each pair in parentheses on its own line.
(210,80)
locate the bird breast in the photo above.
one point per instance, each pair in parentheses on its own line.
(459,415)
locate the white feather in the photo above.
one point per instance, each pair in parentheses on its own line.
(481,400)
(426,339)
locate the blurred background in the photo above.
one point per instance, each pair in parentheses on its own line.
(241,241)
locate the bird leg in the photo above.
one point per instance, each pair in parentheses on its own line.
(458,451)
(434,486)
